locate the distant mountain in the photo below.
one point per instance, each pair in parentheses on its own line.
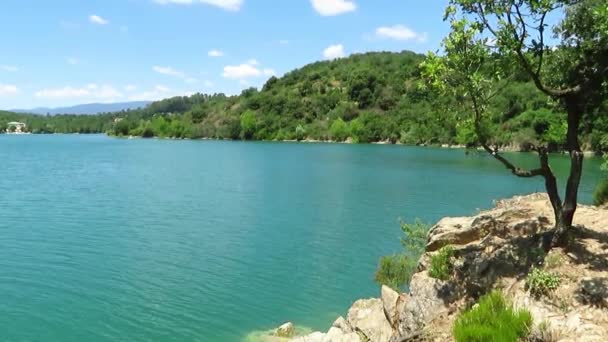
(91,108)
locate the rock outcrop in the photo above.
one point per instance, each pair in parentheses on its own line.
(495,249)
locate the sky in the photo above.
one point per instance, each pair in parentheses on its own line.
(67,52)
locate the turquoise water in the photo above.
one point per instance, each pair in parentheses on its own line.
(107,239)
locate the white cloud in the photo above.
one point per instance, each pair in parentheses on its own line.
(9,68)
(400,32)
(130,87)
(241,71)
(169,71)
(91,91)
(334,52)
(229,5)
(333,7)
(249,69)
(8,90)
(159,92)
(72,61)
(215,53)
(95,19)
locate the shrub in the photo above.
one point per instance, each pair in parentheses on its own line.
(541,283)
(492,320)
(600,196)
(339,130)
(395,271)
(441,263)
(414,239)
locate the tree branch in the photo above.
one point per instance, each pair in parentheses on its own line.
(517,171)
(556,93)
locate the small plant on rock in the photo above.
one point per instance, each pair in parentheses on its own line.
(395,271)
(441,263)
(544,333)
(542,283)
(492,319)
(553,260)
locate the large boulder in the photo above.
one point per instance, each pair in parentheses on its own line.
(429,299)
(367,316)
(451,230)
(498,222)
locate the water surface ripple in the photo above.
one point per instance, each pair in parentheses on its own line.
(147,240)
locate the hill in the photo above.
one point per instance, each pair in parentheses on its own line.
(371,97)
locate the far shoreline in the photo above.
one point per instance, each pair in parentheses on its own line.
(507,149)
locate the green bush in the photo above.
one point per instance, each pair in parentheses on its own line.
(441,263)
(542,283)
(492,320)
(600,196)
(339,130)
(395,271)
(414,239)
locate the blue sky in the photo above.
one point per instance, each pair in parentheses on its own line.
(66,52)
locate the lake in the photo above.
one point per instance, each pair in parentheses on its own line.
(107,239)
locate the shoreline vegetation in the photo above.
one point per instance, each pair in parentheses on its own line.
(376,97)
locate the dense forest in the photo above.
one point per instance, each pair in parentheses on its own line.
(368,97)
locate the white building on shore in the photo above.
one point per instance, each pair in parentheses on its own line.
(16,128)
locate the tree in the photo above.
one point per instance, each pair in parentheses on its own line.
(248,125)
(491,42)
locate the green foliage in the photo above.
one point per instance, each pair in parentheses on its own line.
(493,319)
(441,263)
(339,130)
(414,237)
(600,195)
(542,283)
(248,125)
(395,271)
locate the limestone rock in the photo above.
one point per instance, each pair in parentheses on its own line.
(392,303)
(336,335)
(429,299)
(286,330)
(450,231)
(314,337)
(367,316)
(343,325)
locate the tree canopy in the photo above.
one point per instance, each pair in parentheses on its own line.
(492,44)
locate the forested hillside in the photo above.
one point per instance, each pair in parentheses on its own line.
(364,98)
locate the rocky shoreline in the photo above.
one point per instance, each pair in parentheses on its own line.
(495,249)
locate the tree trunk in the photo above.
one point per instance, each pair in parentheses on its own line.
(565,215)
